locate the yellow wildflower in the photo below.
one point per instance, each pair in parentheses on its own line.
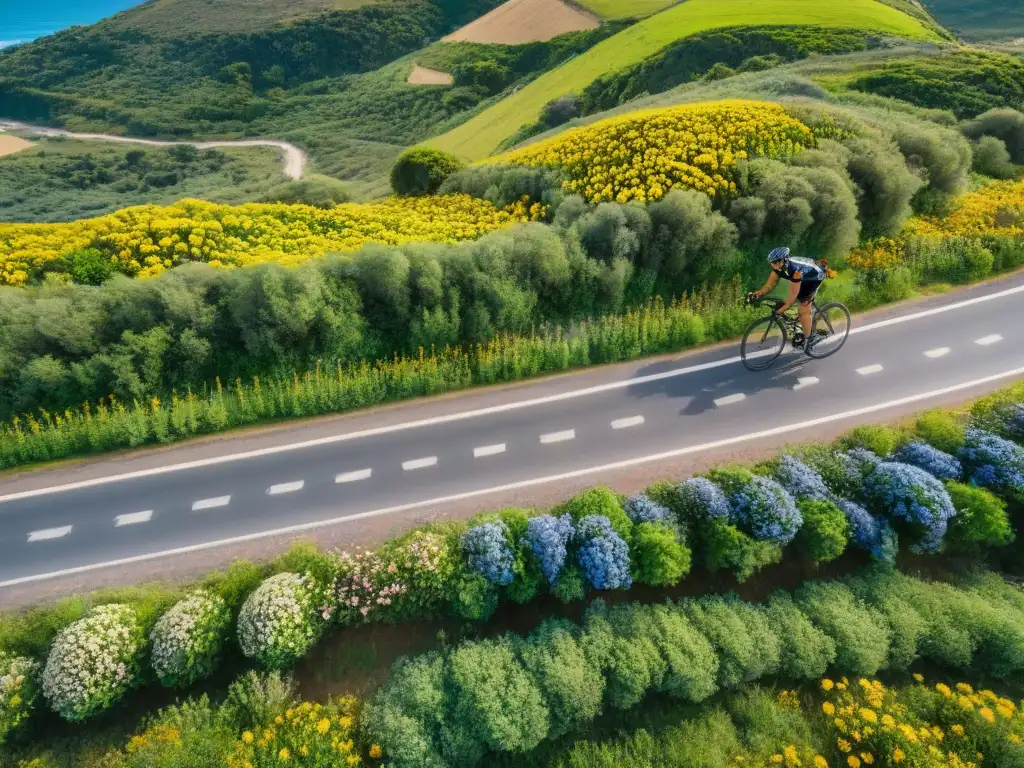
(376,751)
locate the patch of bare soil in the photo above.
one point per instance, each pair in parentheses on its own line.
(524,21)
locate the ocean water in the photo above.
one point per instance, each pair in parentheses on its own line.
(23,20)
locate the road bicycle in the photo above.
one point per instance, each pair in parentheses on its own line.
(766,337)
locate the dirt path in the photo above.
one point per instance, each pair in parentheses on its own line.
(426,76)
(294,159)
(11,144)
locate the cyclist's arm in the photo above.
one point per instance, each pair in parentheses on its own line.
(773,280)
(794,291)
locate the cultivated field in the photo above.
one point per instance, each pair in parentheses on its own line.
(180,17)
(524,21)
(11,144)
(483,134)
(425,76)
(625,9)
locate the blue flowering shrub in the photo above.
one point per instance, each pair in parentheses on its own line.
(800,480)
(933,461)
(660,557)
(548,539)
(760,506)
(869,533)
(825,532)
(701,499)
(603,554)
(642,509)
(599,502)
(489,553)
(981,520)
(993,462)
(834,468)
(527,579)
(913,498)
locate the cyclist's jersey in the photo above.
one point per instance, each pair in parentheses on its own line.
(809,270)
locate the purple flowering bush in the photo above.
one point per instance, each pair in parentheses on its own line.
(702,499)
(993,462)
(869,533)
(800,480)
(489,553)
(910,495)
(603,554)
(933,461)
(548,538)
(760,506)
(642,509)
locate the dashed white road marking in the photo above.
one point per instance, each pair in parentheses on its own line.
(50,533)
(632,421)
(558,437)
(351,477)
(219,501)
(867,370)
(488,450)
(805,381)
(134,518)
(276,490)
(985,341)
(603,469)
(739,397)
(429,461)
(937,352)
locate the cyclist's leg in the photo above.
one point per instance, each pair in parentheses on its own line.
(808,290)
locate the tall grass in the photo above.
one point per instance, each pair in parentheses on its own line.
(711,314)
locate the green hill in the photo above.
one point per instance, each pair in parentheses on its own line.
(980,19)
(483,134)
(624,9)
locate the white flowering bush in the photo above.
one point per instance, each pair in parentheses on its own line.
(278,622)
(94,662)
(19,691)
(188,639)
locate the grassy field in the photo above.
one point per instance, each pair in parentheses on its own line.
(178,18)
(59,180)
(480,136)
(980,19)
(625,9)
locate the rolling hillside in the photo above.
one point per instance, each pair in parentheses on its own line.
(980,19)
(483,134)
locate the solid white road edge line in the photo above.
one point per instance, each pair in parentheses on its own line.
(219,501)
(452,417)
(133,519)
(936,353)
(488,450)
(277,490)
(49,533)
(558,437)
(632,421)
(351,477)
(867,370)
(739,397)
(301,528)
(429,461)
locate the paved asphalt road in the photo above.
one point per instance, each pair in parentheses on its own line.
(540,432)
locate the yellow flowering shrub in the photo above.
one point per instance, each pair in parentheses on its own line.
(995,209)
(144,240)
(308,735)
(642,155)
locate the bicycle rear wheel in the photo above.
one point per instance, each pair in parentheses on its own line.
(763,343)
(833,321)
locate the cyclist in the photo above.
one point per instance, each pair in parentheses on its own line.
(805,277)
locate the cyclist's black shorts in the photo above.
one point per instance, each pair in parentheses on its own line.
(808,289)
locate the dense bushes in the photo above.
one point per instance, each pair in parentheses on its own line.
(504,696)
(421,171)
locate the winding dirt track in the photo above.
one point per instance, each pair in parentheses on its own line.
(293,158)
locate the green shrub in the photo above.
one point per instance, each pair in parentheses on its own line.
(880,440)
(598,501)
(572,585)
(860,633)
(475,598)
(726,547)
(991,158)
(882,589)
(981,520)
(741,635)
(306,557)
(807,652)
(825,532)
(692,669)
(318,191)
(495,701)
(942,430)
(1006,125)
(947,640)
(90,266)
(256,698)
(660,558)
(633,663)
(421,171)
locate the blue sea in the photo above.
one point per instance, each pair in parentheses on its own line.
(24,20)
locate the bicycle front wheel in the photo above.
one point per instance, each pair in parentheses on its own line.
(763,343)
(832,325)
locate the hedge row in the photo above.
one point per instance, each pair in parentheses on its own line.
(451,709)
(943,484)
